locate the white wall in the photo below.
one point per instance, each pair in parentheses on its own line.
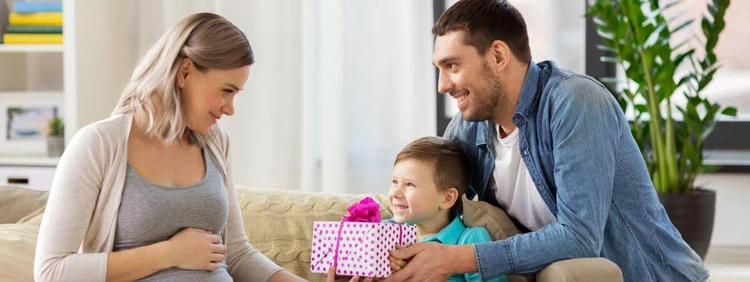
(266,128)
(732,220)
(97,59)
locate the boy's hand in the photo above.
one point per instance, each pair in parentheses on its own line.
(397,264)
(331,277)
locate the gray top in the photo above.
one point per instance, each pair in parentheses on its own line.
(150,213)
(80,219)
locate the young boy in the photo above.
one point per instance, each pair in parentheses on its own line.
(430,176)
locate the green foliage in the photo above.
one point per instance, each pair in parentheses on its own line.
(637,35)
(56,127)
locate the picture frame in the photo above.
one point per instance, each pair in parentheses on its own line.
(24,121)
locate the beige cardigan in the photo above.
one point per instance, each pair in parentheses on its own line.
(85,199)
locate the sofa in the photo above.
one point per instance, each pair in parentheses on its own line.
(279,224)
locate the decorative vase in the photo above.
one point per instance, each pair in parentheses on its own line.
(55,146)
(693,215)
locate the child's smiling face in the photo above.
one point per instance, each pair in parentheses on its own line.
(414,197)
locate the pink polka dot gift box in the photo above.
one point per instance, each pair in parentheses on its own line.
(359,244)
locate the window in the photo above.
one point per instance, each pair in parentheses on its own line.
(728,145)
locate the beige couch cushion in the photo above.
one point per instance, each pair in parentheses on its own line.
(583,269)
(279,223)
(495,220)
(34,218)
(17,246)
(16,203)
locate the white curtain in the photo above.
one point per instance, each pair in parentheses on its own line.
(338,88)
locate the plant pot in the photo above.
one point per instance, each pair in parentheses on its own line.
(693,215)
(55,146)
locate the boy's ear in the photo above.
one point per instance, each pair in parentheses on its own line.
(450,198)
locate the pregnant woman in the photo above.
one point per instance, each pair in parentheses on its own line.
(147,194)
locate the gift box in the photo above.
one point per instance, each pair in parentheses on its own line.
(359,244)
(362,248)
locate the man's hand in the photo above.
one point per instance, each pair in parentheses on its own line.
(433,262)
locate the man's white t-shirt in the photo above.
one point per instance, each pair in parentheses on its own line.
(514,189)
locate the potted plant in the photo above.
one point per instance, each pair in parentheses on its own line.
(55,138)
(671,137)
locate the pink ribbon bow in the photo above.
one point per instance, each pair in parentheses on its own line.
(367,210)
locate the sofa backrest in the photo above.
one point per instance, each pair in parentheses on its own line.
(16,203)
(279,223)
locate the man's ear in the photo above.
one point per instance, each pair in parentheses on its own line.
(449,198)
(499,55)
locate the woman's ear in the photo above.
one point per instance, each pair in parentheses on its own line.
(449,198)
(186,67)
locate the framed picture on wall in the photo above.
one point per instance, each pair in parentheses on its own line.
(24,121)
(28,122)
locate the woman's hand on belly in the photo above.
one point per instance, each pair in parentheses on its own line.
(196,249)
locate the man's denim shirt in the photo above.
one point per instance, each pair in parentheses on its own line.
(576,144)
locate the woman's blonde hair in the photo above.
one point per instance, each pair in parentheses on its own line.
(207,39)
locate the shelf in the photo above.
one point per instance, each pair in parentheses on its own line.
(31,48)
(32,95)
(10,160)
(727,157)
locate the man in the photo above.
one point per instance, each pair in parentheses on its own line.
(552,148)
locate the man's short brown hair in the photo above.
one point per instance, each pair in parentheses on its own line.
(448,160)
(483,22)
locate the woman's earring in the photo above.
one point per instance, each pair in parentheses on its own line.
(182,84)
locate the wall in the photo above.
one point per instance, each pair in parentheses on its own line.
(732,223)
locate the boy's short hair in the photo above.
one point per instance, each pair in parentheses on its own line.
(449,162)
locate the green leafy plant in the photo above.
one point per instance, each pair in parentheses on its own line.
(637,34)
(56,127)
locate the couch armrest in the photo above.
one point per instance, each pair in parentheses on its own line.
(16,203)
(583,269)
